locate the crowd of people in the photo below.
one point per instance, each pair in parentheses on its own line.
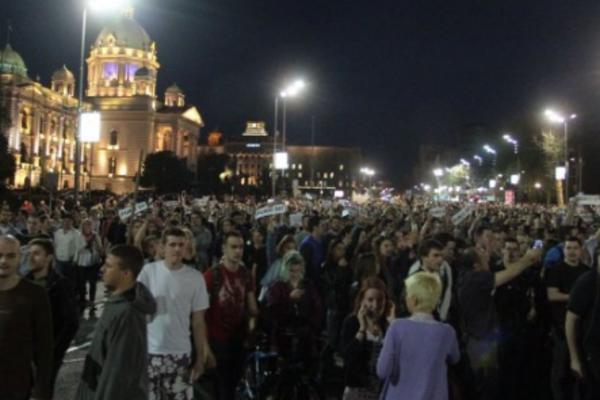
(484,301)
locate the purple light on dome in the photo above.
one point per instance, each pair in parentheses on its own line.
(111,71)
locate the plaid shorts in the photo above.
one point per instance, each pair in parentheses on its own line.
(169,376)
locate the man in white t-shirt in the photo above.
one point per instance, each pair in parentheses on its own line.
(181,298)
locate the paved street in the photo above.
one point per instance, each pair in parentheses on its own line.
(69,375)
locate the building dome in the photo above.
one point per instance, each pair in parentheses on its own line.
(124,32)
(174,89)
(11,62)
(63,74)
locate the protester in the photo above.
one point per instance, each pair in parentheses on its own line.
(294,307)
(116,367)
(582,329)
(410,366)
(61,293)
(231,317)
(181,302)
(87,259)
(362,339)
(476,297)
(26,343)
(312,248)
(66,243)
(560,278)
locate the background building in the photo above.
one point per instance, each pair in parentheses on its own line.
(320,169)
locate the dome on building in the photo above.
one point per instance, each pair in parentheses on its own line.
(124,32)
(63,74)
(11,62)
(142,73)
(174,89)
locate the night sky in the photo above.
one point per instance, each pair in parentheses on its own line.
(383,75)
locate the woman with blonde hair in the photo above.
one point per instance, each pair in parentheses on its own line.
(416,350)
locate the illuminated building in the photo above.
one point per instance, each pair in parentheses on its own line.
(122,71)
(311,168)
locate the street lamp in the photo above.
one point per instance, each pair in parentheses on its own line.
(438,172)
(465,162)
(558,118)
(478,158)
(490,150)
(368,172)
(509,139)
(98,6)
(290,91)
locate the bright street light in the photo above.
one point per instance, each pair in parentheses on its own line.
(292,90)
(367,171)
(537,185)
(557,117)
(478,159)
(488,149)
(438,172)
(107,5)
(465,162)
(509,139)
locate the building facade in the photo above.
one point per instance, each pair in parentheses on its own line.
(320,169)
(122,72)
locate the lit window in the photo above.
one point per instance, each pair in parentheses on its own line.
(114,139)
(130,70)
(299,174)
(111,71)
(341,167)
(340,184)
(293,166)
(299,166)
(112,166)
(318,174)
(331,174)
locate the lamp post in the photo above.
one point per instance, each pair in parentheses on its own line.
(490,150)
(96,5)
(556,117)
(369,173)
(291,91)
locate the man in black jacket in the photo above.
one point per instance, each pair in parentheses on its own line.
(61,293)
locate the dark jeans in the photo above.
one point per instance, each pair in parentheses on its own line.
(67,269)
(483,353)
(562,380)
(87,276)
(230,358)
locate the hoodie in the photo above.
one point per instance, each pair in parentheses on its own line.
(115,367)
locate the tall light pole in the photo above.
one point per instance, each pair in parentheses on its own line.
(290,91)
(557,117)
(95,5)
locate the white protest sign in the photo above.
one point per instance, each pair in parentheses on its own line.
(201,202)
(141,207)
(267,211)
(588,199)
(125,213)
(437,212)
(296,219)
(462,215)
(326,203)
(171,203)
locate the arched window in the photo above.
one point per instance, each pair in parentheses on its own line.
(23,120)
(114,138)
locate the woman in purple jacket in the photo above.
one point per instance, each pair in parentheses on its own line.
(412,362)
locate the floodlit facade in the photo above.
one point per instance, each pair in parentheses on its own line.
(122,72)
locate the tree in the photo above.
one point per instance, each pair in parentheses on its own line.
(552,145)
(166,173)
(210,167)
